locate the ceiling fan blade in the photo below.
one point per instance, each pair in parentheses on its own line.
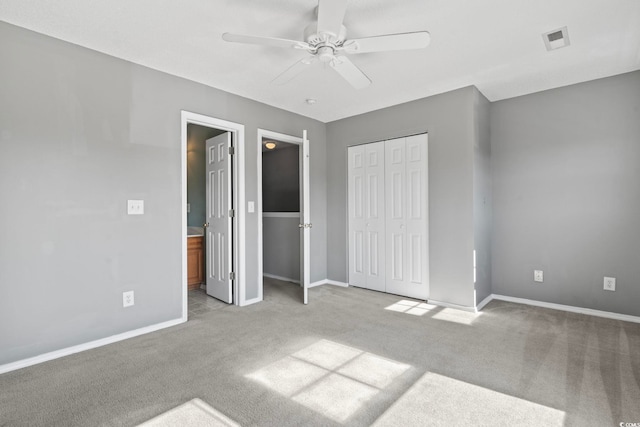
(331,15)
(350,72)
(403,41)
(294,70)
(264,41)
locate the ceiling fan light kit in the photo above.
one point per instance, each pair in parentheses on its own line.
(326,41)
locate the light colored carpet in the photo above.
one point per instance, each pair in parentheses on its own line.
(350,358)
(194,413)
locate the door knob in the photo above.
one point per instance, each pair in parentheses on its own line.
(206,224)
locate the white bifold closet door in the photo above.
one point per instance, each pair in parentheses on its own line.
(388,216)
(366,216)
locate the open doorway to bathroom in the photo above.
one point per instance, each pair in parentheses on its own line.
(197,137)
(219,256)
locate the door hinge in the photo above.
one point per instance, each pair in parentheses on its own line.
(232,151)
(232,213)
(232,276)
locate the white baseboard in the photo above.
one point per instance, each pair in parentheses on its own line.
(569,308)
(484,302)
(336,283)
(451,305)
(285,279)
(318,283)
(329,282)
(311,285)
(251,301)
(86,346)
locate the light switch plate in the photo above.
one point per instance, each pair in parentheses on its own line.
(251,207)
(135,207)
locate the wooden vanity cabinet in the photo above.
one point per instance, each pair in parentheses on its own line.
(195,262)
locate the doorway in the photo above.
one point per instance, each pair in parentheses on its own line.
(283,206)
(211,154)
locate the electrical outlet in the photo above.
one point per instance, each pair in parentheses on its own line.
(127,299)
(609,283)
(135,207)
(538,276)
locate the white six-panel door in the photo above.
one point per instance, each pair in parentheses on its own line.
(366,217)
(388,216)
(218,231)
(406,227)
(356,206)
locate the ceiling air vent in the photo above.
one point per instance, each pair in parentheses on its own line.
(556,39)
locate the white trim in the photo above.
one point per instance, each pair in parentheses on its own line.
(336,283)
(86,346)
(328,282)
(263,133)
(285,279)
(251,301)
(569,308)
(451,305)
(318,283)
(186,117)
(281,215)
(305,218)
(484,302)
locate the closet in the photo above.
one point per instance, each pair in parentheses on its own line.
(388,216)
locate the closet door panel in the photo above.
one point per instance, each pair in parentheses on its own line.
(357,207)
(396,203)
(416,220)
(375,216)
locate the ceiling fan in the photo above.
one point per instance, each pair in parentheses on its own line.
(326,41)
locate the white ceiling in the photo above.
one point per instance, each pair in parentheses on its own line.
(495,45)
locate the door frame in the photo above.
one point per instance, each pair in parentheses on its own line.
(239,220)
(297,140)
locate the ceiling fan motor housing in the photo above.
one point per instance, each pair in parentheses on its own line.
(317,40)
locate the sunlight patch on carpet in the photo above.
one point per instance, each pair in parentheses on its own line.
(439,400)
(456,316)
(415,308)
(332,379)
(194,413)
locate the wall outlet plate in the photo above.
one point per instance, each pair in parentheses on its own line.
(135,207)
(127,299)
(609,283)
(538,276)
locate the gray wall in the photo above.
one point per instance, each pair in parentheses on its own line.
(80,133)
(449,120)
(482,196)
(197,172)
(566,173)
(281,180)
(281,247)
